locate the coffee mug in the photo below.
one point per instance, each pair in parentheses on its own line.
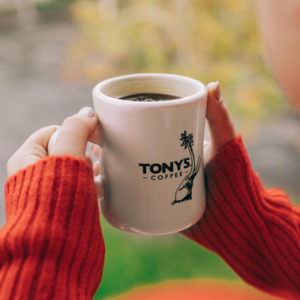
(152,152)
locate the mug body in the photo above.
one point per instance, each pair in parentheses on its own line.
(152,153)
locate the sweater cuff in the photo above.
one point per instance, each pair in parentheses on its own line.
(225,181)
(230,155)
(51,246)
(229,175)
(38,186)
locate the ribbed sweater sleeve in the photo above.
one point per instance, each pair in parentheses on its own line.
(51,246)
(255,230)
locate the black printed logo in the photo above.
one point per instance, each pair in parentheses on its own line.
(185,189)
(186,168)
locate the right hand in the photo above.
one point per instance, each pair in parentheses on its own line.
(220,125)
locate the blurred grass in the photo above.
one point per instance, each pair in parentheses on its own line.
(133,260)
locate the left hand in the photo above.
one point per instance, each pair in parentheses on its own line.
(72,139)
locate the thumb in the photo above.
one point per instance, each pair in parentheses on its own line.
(74,134)
(220,125)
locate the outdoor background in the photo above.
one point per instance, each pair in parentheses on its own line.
(52,53)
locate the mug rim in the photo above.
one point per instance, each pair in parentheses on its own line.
(98,94)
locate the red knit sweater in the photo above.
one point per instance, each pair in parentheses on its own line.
(255,230)
(52,246)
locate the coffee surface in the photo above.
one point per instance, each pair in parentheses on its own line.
(147,97)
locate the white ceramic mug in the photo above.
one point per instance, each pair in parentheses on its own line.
(152,153)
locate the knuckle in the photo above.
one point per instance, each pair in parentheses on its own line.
(76,125)
(73,121)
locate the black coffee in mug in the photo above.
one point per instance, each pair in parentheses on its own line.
(147,97)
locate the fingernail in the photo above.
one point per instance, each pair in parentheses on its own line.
(87,111)
(217,91)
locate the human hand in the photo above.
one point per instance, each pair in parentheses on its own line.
(220,125)
(72,139)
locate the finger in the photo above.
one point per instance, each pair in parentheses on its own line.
(88,158)
(100,191)
(40,137)
(96,135)
(52,142)
(99,187)
(220,125)
(96,168)
(95,150)
(33,149)
(75,132)
(206,151)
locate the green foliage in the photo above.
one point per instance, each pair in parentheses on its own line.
(209,40)
(7,11)
(53,5)
(133,260)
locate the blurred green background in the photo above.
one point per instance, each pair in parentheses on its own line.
(132,260)
(56,51)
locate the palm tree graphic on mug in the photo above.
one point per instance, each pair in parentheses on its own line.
(184,191)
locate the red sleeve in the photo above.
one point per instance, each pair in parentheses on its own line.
(51,246)
(255,230)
